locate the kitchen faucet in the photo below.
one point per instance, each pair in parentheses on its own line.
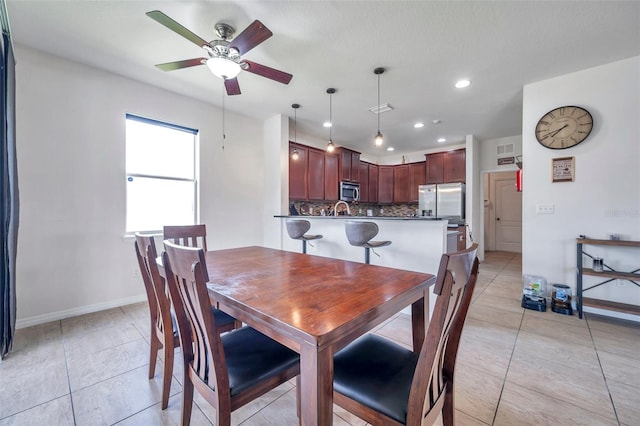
(335,208)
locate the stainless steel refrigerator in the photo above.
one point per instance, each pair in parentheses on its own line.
(442,201)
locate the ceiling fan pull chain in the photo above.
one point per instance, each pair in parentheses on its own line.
(224,136)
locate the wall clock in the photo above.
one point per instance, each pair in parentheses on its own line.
(564,127)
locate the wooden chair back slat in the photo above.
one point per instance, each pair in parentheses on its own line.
(202,348)
(187,235)
(432,385)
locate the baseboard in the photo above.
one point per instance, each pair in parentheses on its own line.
(81,310)
(613,314)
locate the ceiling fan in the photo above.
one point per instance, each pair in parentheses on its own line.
(224,56)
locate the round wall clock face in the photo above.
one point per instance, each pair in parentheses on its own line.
(564,127)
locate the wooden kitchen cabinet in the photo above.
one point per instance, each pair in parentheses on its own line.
(364,182)
(385,184)
(349,165)
(331,176)
(455,169)
(373,183)
(401,183)
(417,177)
(315,176)
(446,167)
(298,172)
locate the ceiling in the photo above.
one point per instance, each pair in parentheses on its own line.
(424,45)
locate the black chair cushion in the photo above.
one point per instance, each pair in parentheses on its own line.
(222,318)
(376,373)
(252,357)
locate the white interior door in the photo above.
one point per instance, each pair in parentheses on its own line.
(508,214)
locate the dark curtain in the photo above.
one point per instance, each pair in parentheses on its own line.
(9,188)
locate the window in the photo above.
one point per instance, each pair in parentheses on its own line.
(161,174)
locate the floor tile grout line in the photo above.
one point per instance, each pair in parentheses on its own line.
(66,366)
(604,376)
(504,382)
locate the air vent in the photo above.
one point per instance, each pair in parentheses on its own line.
(379,109)
(505,149)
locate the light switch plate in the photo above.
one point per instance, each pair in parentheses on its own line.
(544,208)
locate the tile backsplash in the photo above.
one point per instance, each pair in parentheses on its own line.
(308,208)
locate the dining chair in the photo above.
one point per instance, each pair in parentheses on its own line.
(164,332)
(386,384)
(228,370)
(187,235)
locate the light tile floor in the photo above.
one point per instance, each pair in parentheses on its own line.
(515,367)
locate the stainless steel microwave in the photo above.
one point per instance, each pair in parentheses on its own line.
(349,191)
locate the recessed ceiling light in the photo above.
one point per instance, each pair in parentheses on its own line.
(390,148)
(418,125)
(327,124)
(442,140)
(462,83)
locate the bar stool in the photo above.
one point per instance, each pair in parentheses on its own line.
(297,228)
(360,234)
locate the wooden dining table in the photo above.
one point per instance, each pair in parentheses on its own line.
(315,306)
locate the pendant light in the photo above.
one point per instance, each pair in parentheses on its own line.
(294,154)
(330,145)
(379,139)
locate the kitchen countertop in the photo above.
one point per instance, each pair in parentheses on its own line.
(409,218)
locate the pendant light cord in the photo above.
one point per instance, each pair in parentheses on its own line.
(378,103)
(330,116)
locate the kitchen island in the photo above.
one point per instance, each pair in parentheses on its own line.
(416,244)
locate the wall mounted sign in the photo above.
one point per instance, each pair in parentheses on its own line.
(563,169)
(506,160)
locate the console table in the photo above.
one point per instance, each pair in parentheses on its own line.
(609,274)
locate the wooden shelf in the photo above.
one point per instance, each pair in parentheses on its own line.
(607,275)
(617,243)
(612,274)
(611,306)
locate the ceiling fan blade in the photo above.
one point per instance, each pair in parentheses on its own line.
(232,86)
(265,71)
(163,19)
(252,36)
(172,66)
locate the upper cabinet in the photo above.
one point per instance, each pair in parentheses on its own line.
(349,165)
(316,174)
(401,183)
(364,182)
(385,184)
(406,179)
(417,177)
(298,172)
(373,183)
(331,176)
(446,167)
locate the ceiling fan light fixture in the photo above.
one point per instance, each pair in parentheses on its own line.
(223,68)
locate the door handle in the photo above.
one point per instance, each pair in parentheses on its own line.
(497,218)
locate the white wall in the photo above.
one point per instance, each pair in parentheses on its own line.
(605,197)
(72,257)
